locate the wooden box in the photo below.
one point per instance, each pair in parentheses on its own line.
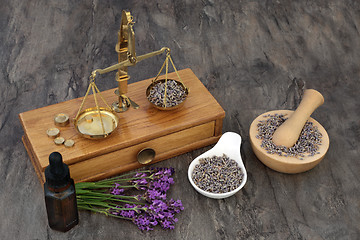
(196,124)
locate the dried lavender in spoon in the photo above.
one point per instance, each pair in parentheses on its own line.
(175,94)
(308,142)
(217,174)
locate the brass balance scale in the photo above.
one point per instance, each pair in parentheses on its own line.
(146,134)
(99,122)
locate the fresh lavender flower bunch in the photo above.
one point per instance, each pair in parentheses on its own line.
(146,205)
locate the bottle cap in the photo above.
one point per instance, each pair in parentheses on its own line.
(57,174)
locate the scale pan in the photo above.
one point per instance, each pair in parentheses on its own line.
(178,96)
(88,123)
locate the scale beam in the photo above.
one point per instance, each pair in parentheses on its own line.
(128,63)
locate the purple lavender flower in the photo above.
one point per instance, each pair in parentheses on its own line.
(152,194)
(147,207)
(169,171)
(167,179)
(161,185)
(138,183)
(168,224)
(139,174)
(176,206)
(142,181)
(157,207)
(128,213)
(159,172)
(145,222)
(117,191)
(115,211)
(164,212)
(142,222)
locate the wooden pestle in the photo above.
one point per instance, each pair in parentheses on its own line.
(288,133)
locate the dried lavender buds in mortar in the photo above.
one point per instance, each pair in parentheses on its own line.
(307,144)
(175,94)
(217,174)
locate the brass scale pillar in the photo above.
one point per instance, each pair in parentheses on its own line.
(126,51)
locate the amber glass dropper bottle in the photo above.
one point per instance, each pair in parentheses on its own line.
(60,196)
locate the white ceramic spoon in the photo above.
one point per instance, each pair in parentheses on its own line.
(229,144)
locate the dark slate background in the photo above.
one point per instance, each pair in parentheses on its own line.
(253,56)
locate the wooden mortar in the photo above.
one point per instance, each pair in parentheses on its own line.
(287,135)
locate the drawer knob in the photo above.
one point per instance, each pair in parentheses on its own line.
(146,155)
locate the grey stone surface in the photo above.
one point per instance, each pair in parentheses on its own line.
(253,56)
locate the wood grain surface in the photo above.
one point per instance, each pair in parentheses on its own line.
(252,56)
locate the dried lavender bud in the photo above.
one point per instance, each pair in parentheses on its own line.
(217,174)
(175,94)
(308,143)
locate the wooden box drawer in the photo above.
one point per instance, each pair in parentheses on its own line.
(126,159)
